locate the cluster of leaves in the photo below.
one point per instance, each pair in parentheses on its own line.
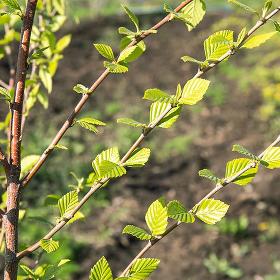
(241,171)
(209,211)
(42,272)
(141,269)
(166,108)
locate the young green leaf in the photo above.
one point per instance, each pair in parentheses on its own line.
(243,6)
(106,164)
(272,157)
(13,7)
(194,91)
(108,169)
(276,25)
(158,108)
(138,158)
(210,211)
(79,88)
(131,122)
(267,7)
(132,17)
(105,50)
(241,36)
(195,10)
(111,154)
(29,272)
(155,94)
(101,271)
(137,232)
(60,147)
(6,94)
(187,58)
(243,151)
(235,166)
(28,162)
(115,68)
(39,53)
(126,53)
(206,173)
(142,268)
(49,245)
(177,211)
(139,50)
(67,203)
(156,217)
(89,123)
(217,44)
(78,216)
(46,79)
(258,40)
(124,31)
(63,43)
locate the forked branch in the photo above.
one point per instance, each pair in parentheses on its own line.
(67,124)
(218,187)
(136,144)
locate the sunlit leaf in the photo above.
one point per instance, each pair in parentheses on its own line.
(101,271)
(126,53)
(79,88)
(243,6)
(177,211)
(28,162)
(89,123)
(156,217)
(142,268)
(115,68)
(211,211)
(258,40)
(218,44)
(105,50)
(138,158)
(194,91)
(49,245)
(235,166)
(157,110)
(137,232)
(155,94)
(132,17)
(196,9)
(67,203)
(206,173)
(131,122)
(272,157)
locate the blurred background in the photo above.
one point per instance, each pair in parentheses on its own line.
(241,107)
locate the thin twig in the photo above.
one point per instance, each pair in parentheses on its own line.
(67,124)
(13,189)
(218,187)
(99,184)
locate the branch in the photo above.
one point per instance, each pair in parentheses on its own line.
(4,162)
(136,144)
(13,190)
(67,124)
(218,187)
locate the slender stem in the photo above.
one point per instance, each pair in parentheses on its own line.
(13,189)
(136,144)
(218,187)
(67,124)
